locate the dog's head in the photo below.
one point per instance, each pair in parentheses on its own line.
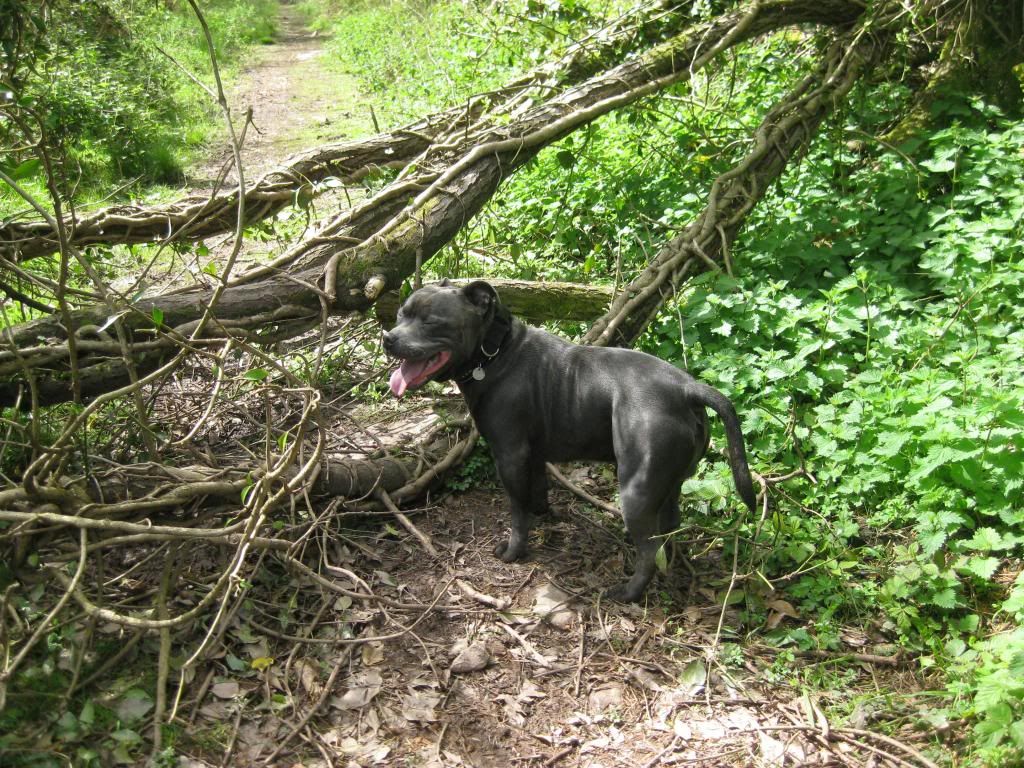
(438,332)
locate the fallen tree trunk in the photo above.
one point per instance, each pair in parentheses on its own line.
(785,133)
(368,250)
(531,300)
(196,218)
(146,489)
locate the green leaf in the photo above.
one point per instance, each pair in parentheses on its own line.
(565,158)
(255,374)
(944,165)
(982,567)
(133,705)
(126,736)
(88,715)
(661,560)
(945,598)
(725,329)
(985,540)
(158,317)
(25,170)
(694,675)
(937,457)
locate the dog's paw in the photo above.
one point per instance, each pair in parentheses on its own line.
(508,553)
(624,593)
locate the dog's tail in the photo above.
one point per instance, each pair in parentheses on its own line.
(720,404)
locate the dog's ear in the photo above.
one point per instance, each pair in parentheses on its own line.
(481,295)
(445,283)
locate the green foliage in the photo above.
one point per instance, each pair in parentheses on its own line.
(475,471)
(602,198)
(882,343)
(990,676)
(417,56)
(112,103)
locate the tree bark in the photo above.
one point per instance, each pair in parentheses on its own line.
(530,300)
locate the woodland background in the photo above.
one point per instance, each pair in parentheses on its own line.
(816,207)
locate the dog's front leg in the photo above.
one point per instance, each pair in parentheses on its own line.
(526,484)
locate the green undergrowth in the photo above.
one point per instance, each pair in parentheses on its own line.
(115,106)
(416,57)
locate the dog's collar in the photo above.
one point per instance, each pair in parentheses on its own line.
(490,347)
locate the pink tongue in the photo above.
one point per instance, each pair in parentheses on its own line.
(408,372)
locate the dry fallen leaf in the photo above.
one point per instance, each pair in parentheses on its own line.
(226,690)
(603,699)
(471,659)
(708,730)
(778,610)
(420,707)
(373,653)
(362,687)
(553,605)
(773,751)
(308,676)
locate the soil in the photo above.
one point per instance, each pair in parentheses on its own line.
(558,677)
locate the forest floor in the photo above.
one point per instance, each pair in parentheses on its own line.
(558,677)
(459,659)
(493,664)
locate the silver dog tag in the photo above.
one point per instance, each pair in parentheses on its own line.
(478,373)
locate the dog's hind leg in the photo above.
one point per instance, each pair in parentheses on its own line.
(649,510)
(669,515)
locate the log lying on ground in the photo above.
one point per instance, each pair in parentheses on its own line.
(531,300)
(199,217)
(108,497)
(374,247)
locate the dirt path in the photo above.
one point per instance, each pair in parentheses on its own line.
(298,100)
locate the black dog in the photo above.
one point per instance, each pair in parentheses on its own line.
(536,398)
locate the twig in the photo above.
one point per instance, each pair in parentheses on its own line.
(567,750)
(164,656)
(498,603)
(234,738)
(423,539)
(527,646)
(339,664)
(587,497)
(657,758)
